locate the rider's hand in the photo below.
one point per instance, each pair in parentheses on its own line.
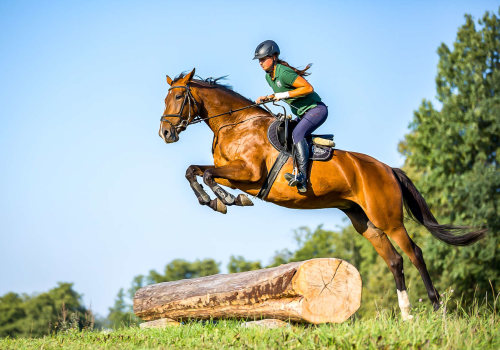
(263,98)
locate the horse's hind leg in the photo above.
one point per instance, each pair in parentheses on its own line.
(386,250)
(400,236)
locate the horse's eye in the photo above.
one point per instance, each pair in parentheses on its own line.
(178,97)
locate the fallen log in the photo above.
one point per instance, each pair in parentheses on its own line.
(315,291)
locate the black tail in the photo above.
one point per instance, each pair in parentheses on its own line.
(418,210)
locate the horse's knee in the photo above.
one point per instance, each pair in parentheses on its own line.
(207,177)
(190,173)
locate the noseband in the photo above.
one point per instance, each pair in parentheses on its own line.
(188,97)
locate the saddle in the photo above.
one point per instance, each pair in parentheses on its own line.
(320,145)
(280,136)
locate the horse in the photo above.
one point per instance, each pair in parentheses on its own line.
(369,192)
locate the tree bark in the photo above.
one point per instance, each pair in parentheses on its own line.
(315,291)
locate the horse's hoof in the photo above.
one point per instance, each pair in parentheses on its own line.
(226,198)
(243,200)
(204,199)
(407,317)
(217,205)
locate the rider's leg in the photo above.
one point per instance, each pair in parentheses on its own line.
(301,154)
(311,120)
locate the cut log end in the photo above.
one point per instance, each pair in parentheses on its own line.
(331,290)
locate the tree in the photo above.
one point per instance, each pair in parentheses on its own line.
(452,154)
(58,309)
(120,314)
(180,269)
(11,315)
(320,243)
(239,264)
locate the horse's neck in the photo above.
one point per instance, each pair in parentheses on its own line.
(217,101)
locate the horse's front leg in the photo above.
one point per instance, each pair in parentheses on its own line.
(191,173)
(234,171)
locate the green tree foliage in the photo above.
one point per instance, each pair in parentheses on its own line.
(452,154)
(319,243)
(239,264)
(120,314)
(58,309)
(180,269)
(12,314)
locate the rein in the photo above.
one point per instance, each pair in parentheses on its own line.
(184,123)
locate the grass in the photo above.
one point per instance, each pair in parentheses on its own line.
(475,328)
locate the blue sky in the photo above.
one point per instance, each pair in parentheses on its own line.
(88,191)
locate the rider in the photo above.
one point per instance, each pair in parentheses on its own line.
(289,84)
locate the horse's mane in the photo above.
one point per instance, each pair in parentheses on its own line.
(211,82)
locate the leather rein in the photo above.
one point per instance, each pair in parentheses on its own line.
(190,101)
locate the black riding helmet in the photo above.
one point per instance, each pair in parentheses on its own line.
(266,48)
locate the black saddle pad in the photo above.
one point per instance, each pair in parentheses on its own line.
(276,135)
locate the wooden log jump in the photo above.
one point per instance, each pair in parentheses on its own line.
(315,291)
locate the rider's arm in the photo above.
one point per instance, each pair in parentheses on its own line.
(302,88)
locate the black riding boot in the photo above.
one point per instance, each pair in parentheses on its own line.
(302,161)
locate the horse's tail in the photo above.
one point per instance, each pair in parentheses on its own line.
(418,210)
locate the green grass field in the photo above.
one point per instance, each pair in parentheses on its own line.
(475,329)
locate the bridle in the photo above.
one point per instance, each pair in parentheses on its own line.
(188,97)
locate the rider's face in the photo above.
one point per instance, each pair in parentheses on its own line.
(266,63)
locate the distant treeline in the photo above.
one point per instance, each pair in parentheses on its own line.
(32,316)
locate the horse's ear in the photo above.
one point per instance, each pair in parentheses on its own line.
(190,75)
(169,80)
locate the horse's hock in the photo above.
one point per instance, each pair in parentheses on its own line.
(315,291)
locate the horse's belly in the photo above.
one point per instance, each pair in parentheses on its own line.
(317,196)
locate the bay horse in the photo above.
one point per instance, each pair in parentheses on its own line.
(369,192)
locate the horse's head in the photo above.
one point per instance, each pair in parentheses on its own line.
(180,108)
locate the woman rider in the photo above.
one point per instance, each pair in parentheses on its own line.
(289,84)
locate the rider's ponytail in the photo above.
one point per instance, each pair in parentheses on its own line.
(301,72)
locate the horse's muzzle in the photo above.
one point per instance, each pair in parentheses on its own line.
(170,135)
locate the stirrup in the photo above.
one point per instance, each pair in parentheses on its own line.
(295,181)
(289,177)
